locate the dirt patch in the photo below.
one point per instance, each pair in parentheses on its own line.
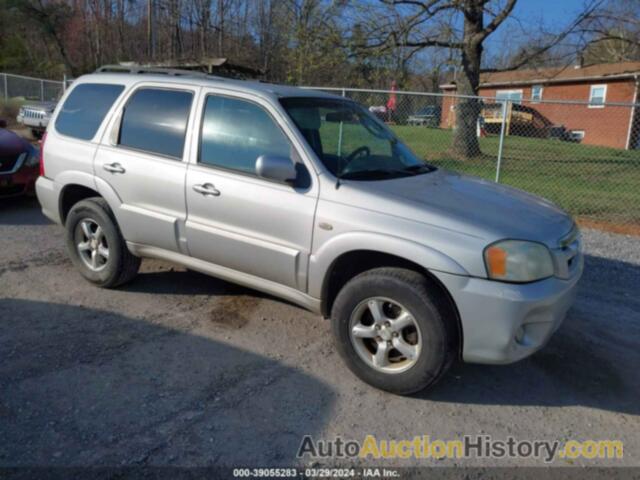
(232,311)
(53,257)
(624,229)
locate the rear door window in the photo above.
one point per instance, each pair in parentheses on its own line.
(155,120)
(85,108)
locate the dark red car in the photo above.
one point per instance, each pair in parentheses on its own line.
(19,164)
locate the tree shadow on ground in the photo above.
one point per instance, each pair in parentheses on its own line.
(23,210)
(177,281)
(86,387)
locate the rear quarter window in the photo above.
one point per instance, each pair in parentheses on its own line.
(85,108)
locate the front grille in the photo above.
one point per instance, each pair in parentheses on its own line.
(28,113)
(8,162)
(570,237)
(567,255)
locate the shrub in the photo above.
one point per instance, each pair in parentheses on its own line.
(9,109)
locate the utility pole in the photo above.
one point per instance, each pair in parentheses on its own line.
(151,29)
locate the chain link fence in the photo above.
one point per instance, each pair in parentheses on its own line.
(18,90)
(21,88)
(584,157)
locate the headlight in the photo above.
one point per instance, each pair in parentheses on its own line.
(30,160)
(518,261)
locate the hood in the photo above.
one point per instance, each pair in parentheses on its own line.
(46,106)
(472,206)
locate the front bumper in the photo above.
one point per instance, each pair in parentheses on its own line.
(503,322)
(37,122)
(18,183)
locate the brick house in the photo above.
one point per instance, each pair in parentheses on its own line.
(597,121)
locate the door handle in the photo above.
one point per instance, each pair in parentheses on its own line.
(207,189)
(113,168)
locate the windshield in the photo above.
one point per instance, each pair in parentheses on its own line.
(350,141)
(428,111)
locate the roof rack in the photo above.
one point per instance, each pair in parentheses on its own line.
(140,69)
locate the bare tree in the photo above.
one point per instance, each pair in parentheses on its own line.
(613,33)
(463,26)
(52,17)
(203,21)
(175,35)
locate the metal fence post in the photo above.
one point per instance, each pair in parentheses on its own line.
(64,83)
(501,143)
(344,94)
(6,88)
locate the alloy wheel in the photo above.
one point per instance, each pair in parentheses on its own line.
(385,335)
(91,244)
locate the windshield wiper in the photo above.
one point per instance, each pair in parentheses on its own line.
(373,173)
(421,168)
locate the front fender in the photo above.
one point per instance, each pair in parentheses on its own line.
(321,260)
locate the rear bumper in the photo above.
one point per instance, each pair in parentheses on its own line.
(503,323)
(48,194)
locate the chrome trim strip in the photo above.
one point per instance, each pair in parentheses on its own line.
(17,166)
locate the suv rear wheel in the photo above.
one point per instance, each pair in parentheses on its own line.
(392,330)
(96,246)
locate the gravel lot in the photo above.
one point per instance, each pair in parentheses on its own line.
(178,368)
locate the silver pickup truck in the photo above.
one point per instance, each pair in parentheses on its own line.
(307,196)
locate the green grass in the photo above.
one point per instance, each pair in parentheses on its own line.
(599,183)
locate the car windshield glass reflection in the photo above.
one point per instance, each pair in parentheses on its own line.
(350,142)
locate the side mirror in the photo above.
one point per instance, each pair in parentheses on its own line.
(274,167)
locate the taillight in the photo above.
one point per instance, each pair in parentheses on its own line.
(44,137)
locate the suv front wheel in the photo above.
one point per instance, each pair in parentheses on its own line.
(96,246)
(393,330)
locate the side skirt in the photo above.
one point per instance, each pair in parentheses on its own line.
(233,276)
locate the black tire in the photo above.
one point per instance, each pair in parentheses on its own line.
(432,315)
(121,266)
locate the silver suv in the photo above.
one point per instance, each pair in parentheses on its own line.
(308,197)
(36,116)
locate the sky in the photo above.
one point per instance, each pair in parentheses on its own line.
(549,10)
(555,15)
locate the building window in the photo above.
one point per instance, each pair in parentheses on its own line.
(597,96)
(536,93)
(514,95)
